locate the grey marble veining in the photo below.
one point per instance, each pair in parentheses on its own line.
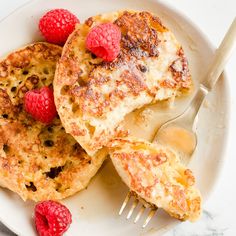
(5,231)
(206,226)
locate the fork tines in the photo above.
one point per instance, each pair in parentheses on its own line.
(144,206)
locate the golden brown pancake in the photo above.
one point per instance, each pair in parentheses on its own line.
(156,174)
(93,97)
(37,161)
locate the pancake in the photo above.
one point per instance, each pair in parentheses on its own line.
(93,97)
(156,174)
(37,161)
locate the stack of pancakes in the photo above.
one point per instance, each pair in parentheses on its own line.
(92,98)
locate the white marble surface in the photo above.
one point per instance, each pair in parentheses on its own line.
(213,17)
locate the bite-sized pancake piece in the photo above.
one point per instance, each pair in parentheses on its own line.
(93,97)
(156,174)
(37,161)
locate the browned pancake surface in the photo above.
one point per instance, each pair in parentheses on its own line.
(93,97)
(37,161)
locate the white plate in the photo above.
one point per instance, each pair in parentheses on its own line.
(95,210)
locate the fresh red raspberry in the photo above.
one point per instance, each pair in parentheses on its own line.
(104,41)
(40,104)
(51,218)
(56,25)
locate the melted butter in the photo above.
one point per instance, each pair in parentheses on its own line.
(178,138)
(144,123)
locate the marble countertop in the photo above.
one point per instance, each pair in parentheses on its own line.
(218,219)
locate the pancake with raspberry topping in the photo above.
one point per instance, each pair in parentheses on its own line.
(156,174)
(93,97)
(37,161)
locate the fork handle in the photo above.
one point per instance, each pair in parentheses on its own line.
(215,69)
(221,57)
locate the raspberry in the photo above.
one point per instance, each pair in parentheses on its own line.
(104,41)
(51,218)
(56,25)
(40,104)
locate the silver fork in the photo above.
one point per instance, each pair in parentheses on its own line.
(187,121)
(188,118)
(143,206)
